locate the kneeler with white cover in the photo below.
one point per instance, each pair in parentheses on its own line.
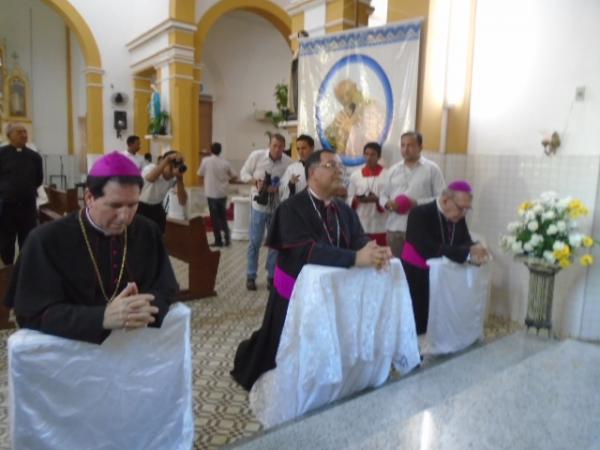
(134,391)
(458,297)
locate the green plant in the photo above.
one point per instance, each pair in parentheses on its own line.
(158,124)
(281,101)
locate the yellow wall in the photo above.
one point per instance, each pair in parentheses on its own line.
(431,68)
(345,15)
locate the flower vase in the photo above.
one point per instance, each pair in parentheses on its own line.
(540,296)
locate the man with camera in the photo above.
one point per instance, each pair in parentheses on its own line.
(263,169)
(159,179)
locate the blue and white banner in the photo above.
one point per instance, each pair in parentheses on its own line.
(360,86)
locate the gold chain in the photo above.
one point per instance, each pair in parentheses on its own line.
(89,247)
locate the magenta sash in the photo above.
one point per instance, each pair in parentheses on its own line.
(284,283)
(412,256)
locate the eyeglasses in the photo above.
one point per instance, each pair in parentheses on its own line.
(331,165)
(462,209)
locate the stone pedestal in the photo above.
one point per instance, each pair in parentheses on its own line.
(241,218)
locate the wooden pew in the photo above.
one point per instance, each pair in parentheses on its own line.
(5,273)
(186,240)
(59,204)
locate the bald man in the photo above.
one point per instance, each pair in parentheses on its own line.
(20,176)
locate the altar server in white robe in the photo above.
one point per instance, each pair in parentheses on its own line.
(364,190)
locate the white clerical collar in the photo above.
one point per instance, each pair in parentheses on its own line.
(327,202)
(93,224)
(19,149)
(439,205)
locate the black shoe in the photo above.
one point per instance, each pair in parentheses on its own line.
(227,242)
(250,284)
(216,244)
(270,284)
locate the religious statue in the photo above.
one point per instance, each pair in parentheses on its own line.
(293,88)
(154,106)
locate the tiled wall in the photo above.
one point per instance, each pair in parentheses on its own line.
(501,183)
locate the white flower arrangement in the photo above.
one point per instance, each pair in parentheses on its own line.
(547,232)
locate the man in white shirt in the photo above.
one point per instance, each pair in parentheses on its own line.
(263,169)
(413,181)
(217,172)
(159,179)
(294,178)
(133,147)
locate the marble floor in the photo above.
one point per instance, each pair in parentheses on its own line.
(219,323)
(521,392)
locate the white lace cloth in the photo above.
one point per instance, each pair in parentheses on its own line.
(458,296)
(343,331)
(132,392)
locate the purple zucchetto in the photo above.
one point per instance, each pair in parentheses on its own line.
(404,204)
(114,164)
(460,186)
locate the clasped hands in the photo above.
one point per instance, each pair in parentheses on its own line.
(478,254)
(130,310)
(372,255)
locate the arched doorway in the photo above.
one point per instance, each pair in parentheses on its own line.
(240,31)
(264,8)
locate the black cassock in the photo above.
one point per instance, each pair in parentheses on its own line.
(432,236)
(302,236)
(55,289)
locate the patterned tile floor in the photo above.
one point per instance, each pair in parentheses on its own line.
(219,323)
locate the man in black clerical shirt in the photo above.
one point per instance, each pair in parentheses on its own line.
(97,269)
(20,176)
(311,227)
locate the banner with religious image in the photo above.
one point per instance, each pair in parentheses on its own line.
(360,86)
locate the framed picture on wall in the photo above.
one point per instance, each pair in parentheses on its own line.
(17,97)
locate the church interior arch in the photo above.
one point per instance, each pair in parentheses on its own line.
(244,52)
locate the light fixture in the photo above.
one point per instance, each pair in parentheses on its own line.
(551,143)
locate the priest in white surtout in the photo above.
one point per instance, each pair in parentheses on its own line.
(364,190)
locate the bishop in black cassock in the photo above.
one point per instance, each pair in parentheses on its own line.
(433,230)
(311,227)
(97,269)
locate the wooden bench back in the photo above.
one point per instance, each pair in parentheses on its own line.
(186,240)
(59,203)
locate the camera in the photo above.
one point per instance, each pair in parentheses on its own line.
(263,196)
(179,165)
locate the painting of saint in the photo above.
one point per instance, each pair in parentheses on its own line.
(16,98)
(354,106)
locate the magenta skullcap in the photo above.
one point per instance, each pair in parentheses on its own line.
(404,204)
(460,186)
(114,164)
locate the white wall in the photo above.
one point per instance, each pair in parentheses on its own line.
(38,36)
(530,55)
(114,23)
(240,75)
